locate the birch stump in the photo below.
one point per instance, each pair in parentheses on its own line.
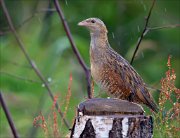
(111,118)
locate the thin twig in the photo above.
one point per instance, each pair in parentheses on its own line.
(19,77)
(75,50)
(17,64)
(8,116)
(145,30)
(33,65)
(35,14)
(27,20)
(163,27)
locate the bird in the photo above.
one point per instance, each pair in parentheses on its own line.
(111,72)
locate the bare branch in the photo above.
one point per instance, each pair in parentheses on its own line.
(33,65)
(8,116)
(145,30)
(163,27)
(75,50)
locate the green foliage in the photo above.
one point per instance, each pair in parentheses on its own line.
(46,42)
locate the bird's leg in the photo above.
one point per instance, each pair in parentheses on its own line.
(92,87)
(131,97)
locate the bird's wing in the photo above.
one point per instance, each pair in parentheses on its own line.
(129,76)
(132,80)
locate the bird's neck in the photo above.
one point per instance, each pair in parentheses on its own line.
(99,40)
(99,46)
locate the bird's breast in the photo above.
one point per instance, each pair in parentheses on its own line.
(109,81)
(97,69)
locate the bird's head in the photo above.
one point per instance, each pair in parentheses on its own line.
(95,25)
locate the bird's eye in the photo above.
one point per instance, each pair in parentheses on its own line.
(93,21)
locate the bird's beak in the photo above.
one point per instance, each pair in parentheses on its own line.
(83,23)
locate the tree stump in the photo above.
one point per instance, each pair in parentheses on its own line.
(111,118)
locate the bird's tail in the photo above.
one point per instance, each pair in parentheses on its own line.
(149,101)
(152,105)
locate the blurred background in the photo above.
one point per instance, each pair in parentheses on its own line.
(43,35)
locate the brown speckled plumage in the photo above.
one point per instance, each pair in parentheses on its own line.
(111,71)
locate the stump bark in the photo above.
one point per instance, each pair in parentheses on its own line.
(111,118)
